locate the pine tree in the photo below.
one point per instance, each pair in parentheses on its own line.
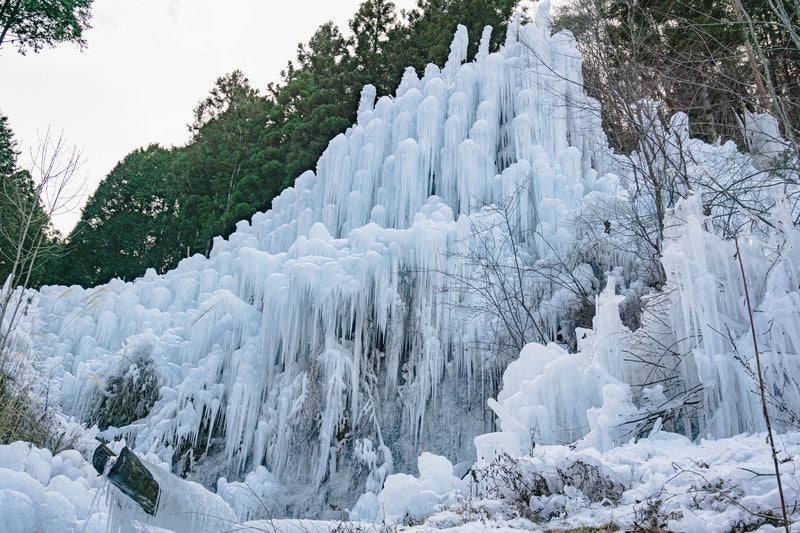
(221,174)
(8,148)
(318,100)
(429,29)
(372,27)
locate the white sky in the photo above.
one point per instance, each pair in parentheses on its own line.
(148,63)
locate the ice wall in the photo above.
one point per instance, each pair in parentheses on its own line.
(359,309)
(335,315)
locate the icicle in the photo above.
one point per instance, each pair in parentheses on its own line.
(366,104)
(512,34)
(483,47)
(458,52)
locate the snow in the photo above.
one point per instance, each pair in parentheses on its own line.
(693,483)
(349,346)
(404,495)
(40,492)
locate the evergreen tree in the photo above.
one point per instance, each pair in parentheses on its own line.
(372,27)
(24,225)
(429,29)
(221,172)
(318,100)
(8,148)
(129,224)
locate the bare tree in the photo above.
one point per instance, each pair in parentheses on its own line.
(527,289)
(777,95)
(721,68)
(30,241)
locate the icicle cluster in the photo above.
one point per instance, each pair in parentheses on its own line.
(334,315)
(352,311)
(691,365)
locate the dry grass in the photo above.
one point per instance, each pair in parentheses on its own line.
(24,419)
(605,528)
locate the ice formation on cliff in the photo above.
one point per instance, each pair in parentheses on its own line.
(348,313)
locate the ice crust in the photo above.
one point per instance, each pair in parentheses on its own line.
(341,316)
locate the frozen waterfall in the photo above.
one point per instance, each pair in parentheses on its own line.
(352,326)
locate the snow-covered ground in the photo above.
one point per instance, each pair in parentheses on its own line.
(664,480)
(42,492)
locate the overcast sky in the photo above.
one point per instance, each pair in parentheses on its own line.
(147,64)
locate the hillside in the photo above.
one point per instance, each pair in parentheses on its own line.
(471,241)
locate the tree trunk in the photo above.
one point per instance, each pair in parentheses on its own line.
(129,475)
(11,18)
